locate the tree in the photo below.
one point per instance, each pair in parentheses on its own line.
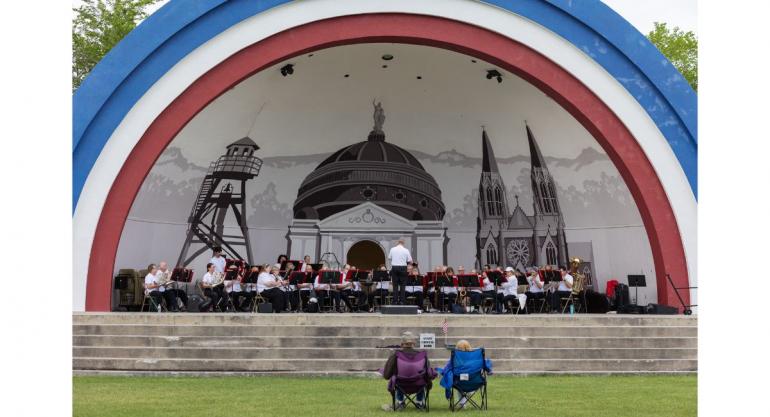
(97,27)
(681,48)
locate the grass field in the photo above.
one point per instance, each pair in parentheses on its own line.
(542,396)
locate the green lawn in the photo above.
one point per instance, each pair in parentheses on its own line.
(541,396)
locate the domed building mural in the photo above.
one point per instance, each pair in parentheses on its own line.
(455,170)
(371,191)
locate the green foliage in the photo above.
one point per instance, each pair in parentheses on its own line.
(589,396)
(97,27)
(681,48)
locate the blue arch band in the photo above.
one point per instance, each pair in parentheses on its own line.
(149,51)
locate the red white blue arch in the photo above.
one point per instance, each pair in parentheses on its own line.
(581,54)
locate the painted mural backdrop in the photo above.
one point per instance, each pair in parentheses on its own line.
(471,173)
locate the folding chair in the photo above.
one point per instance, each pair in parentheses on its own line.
(534,301)
(577,294)
(151,305)
(466,374)
(412,377)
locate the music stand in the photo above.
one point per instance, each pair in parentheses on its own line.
(468,281)
(413,281)
(636,281)
(497,278)
(251,278)
(442,281)
(360,275)
(380,276)
(316,267)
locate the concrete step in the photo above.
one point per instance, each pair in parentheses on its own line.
(316,365)
(374,320)
(310,330)
(320,342)
(374,353)
(357,344)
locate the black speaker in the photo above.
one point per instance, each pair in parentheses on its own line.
(121,282)
(596,303)
(398,309)
(265,308)
(621,297)
(661,309)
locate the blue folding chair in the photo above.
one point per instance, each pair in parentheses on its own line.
(466,374)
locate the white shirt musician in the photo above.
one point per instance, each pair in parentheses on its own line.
(153,290)
(305,264)
(151,280)
(410,271)
(510,289)
(266,280)
(487,285)
(535,283)
(176,292)
(565,285)
(216,293)
(219,261)
(399,255)
(269,287)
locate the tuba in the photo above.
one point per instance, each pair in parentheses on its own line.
(579,283)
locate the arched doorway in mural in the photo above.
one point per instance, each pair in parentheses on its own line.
(366,255)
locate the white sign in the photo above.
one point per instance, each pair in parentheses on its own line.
(427,340)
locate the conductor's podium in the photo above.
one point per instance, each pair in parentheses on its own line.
(358,344)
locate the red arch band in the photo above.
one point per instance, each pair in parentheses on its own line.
(592,113)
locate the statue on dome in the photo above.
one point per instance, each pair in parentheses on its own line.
(379,117)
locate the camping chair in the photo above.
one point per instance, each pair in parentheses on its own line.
(466,373)
(412,377)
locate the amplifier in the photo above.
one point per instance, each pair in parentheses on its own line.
(398,309)
(661,309)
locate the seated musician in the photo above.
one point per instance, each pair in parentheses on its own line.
(414,290)
(476,294)
(155,291)
(215,294)
(381,291)
(291,297)
(250,289)
(535,290)
(564,290)
(350,288)
(449,294)
(269,287)
(331,291)
(174,292)
(487,287)
(511,291)
(233,289)
(306,288)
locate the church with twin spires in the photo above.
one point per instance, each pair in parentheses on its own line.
(513,238)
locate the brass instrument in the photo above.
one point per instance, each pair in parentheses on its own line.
(219,279)
(164,279)
(579,279)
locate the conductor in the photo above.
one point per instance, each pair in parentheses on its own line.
(399,257)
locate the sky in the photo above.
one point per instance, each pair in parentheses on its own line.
(641,13)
